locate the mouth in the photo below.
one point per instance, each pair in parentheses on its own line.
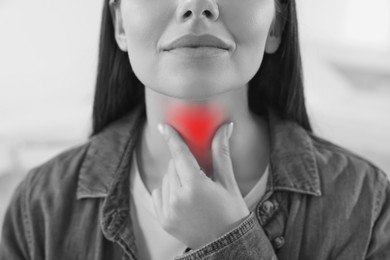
(198,47)
(198,42)
(199,52)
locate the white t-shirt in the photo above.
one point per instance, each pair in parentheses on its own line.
(152,241)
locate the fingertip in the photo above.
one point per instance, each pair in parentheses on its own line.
(229,130)
(218,138)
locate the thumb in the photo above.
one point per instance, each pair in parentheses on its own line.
(222,163)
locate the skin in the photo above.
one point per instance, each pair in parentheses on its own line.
(190,206)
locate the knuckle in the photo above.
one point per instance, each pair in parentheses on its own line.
(174,201)
(188,194)
(220,148)
(169,220)
(224,149)
(219,144)
(165,223)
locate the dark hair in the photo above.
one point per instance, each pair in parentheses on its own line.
(277,84)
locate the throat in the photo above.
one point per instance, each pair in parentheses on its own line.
(196,123)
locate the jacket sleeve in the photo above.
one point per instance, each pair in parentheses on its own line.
(245,242)
(15,232)
(379,247)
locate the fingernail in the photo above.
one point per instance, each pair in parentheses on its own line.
(229,130)
(160,128)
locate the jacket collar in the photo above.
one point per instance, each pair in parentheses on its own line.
(292,160)
(107,154)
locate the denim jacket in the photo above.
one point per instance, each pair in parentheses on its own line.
(321,202)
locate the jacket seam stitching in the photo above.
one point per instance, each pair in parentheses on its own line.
(231,237)
(26,220)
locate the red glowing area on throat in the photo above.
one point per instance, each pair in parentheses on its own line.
(196,123)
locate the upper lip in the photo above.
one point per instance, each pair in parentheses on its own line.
(194,41)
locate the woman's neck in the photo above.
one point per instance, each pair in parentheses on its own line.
(197,123)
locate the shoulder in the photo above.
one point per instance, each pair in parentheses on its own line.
(89,167)
(45,196)
(346,176)
(337,161)
(57,176)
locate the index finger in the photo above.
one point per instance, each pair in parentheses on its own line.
(186,165)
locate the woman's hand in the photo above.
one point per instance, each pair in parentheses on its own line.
(191,206)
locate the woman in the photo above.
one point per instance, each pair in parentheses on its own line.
(201,149)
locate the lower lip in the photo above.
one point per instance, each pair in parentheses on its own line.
(199,52)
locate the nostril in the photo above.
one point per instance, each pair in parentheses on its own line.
(208,14)
(187,14)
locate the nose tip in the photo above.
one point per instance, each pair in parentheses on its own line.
(198,9)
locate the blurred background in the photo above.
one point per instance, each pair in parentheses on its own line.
(48,56)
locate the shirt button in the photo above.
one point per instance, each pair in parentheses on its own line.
(279,242)
(268,208)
